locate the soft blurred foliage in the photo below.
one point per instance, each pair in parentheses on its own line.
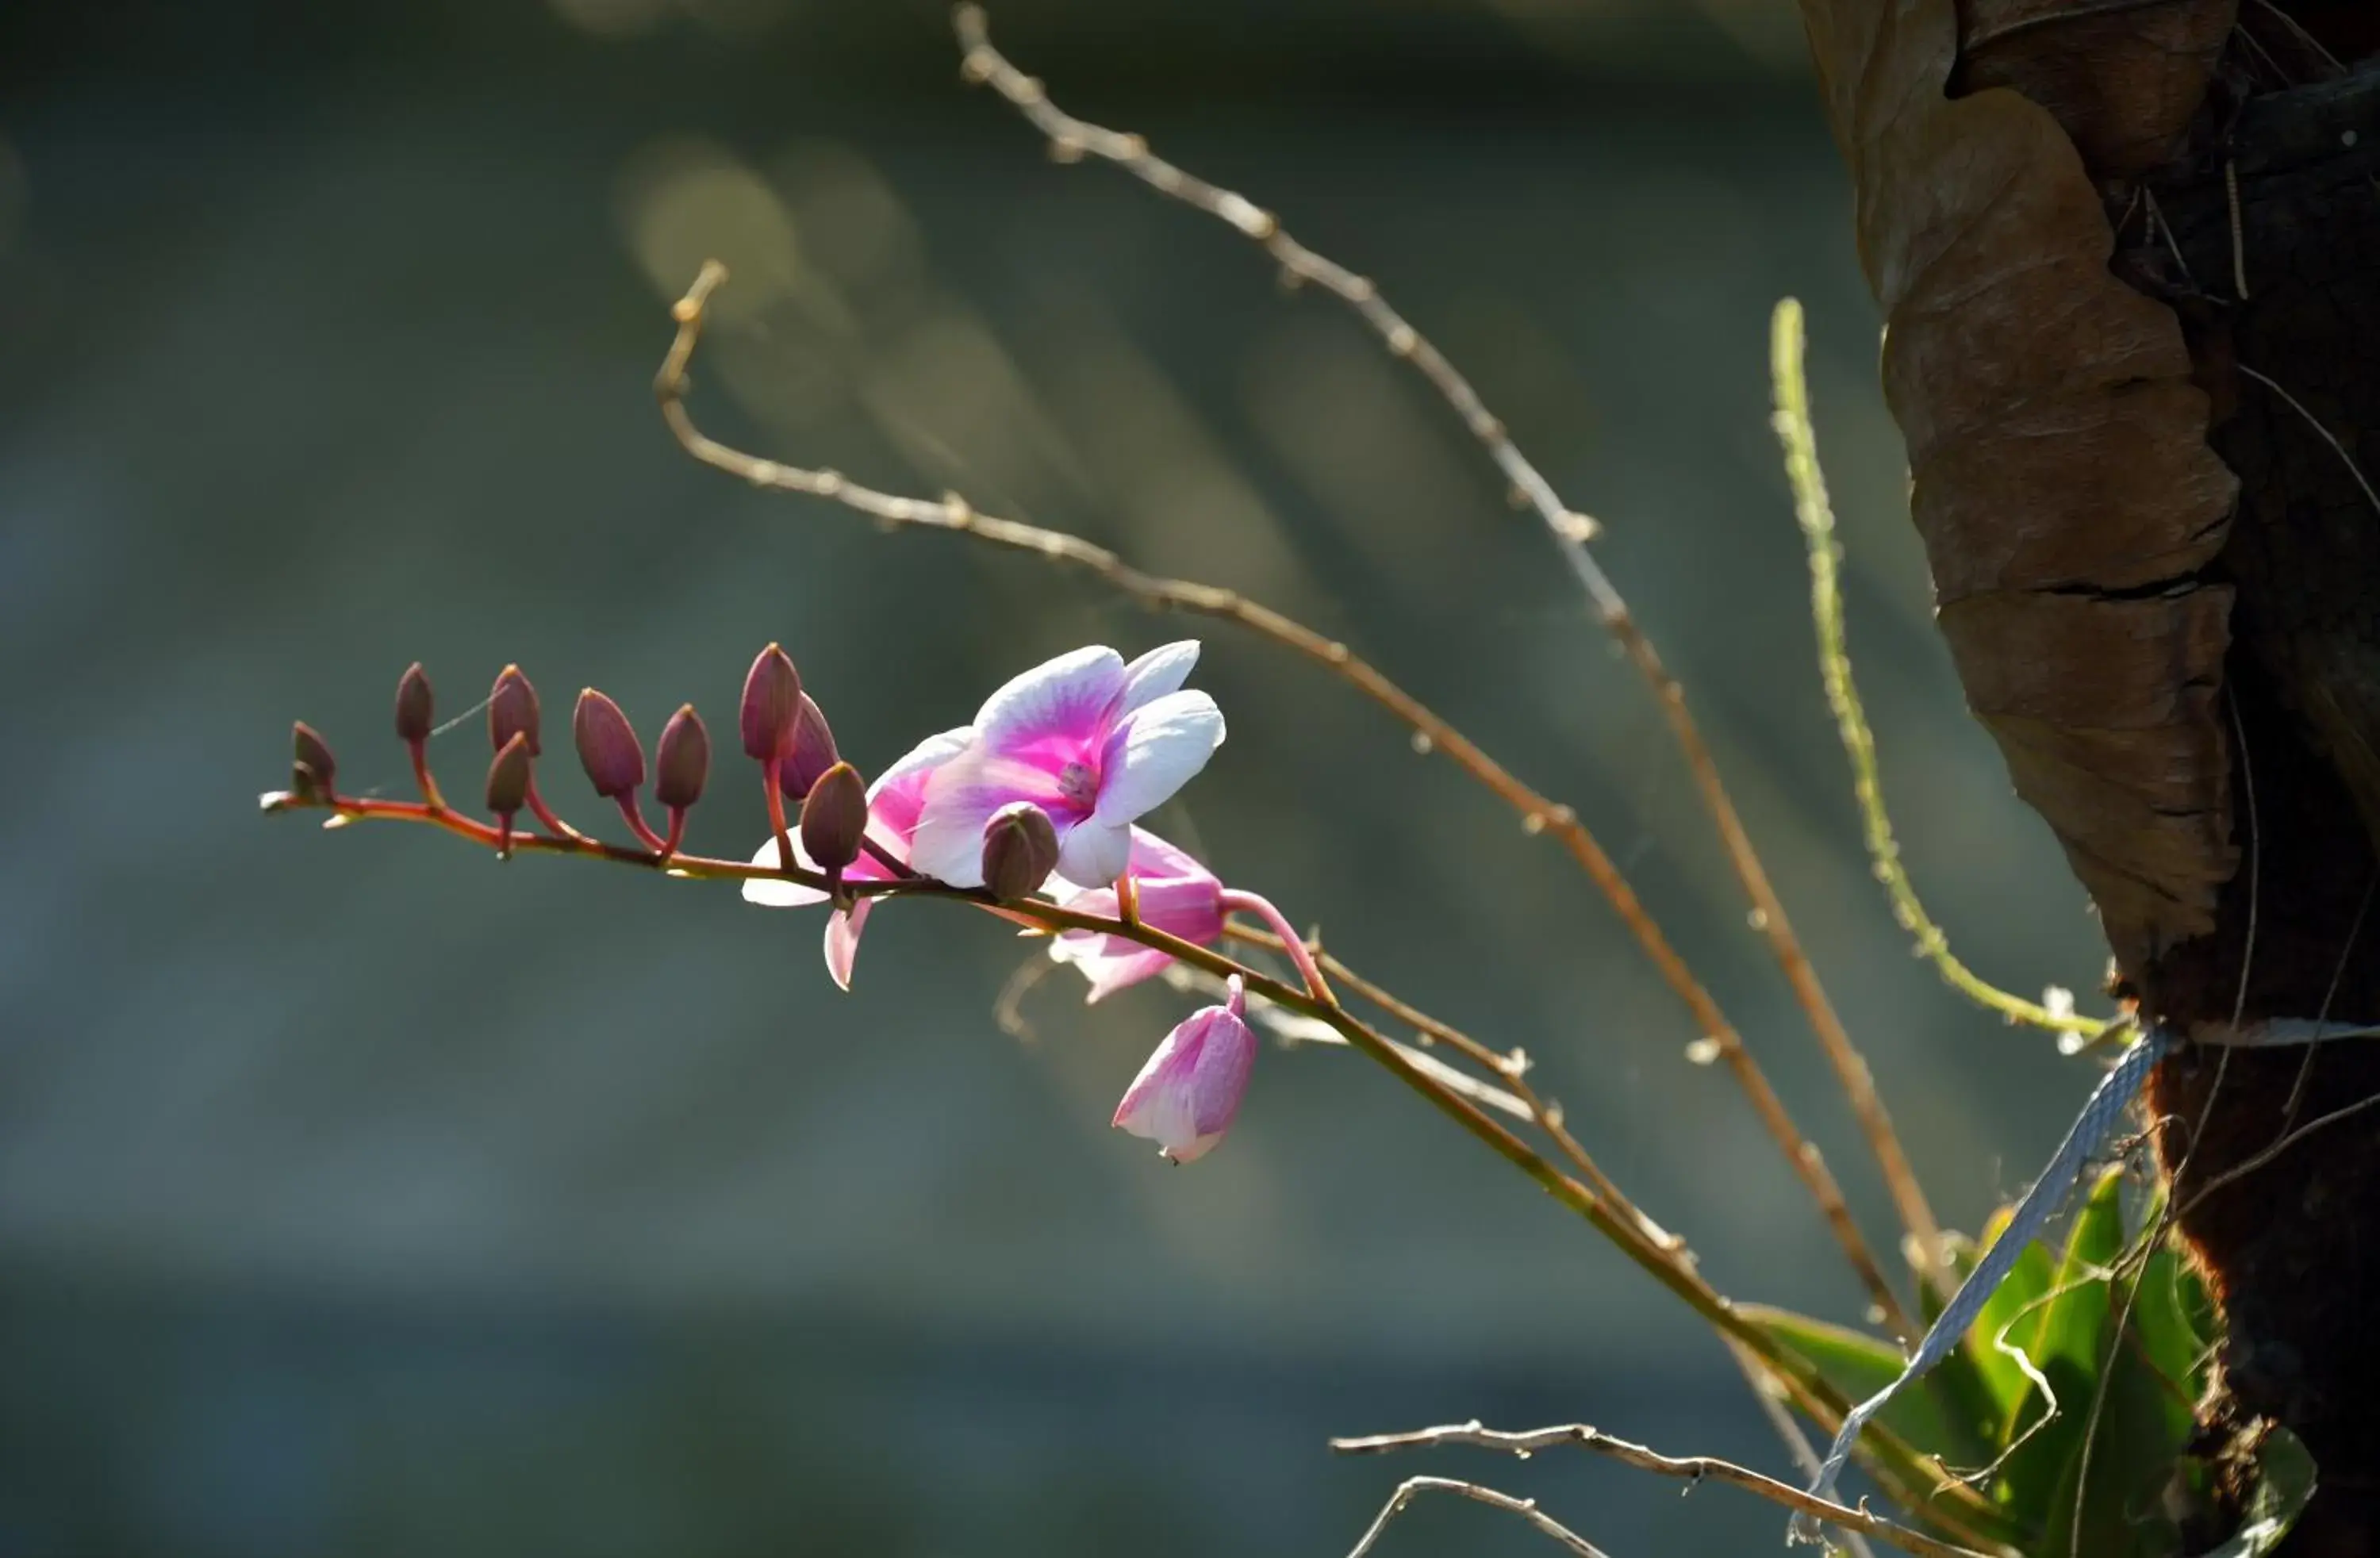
(358,1195)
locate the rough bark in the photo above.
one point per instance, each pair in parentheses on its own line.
(2103,232)
(2292,1244)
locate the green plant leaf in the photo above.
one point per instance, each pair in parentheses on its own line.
(1926,1414)
(2009,1308)
(2063,1331)
(2284,1483)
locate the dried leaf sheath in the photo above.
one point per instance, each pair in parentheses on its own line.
(2059,470)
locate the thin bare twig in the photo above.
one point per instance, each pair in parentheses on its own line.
(1768,1395)
(1525,1508)
(1538,814)
(1570,531)
(1694,1468)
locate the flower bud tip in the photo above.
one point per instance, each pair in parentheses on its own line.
(771,706)
(415,710)
(682,761)
(834,817)
(508,776)
(512,710)
(608,747)
(1020,850)
(312,770)
(810,753)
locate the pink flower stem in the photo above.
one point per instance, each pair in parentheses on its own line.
(884,856)
(420,753)
(544,815)
(1234,901)
(777,817)
(636,817)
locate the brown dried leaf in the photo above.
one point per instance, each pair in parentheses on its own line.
(2122,78)
(2058,450)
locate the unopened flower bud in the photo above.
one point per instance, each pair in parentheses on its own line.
(608,747)
(1189,1092)
(682,762)
(311,767)
(834,817)
(811,753)
(512,711)
(414,708)
(509,777)
(773,702)
(1020,850)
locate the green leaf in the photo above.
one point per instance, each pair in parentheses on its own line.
(2284,1483)
(1859,1365)
(2011,1309)
(2063,1333)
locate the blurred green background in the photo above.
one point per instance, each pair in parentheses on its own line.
(360,1196)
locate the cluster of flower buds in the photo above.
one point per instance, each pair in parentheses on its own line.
(1040,794)
(782,727)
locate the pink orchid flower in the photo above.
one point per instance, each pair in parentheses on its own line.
(1093,742)
(1188,1093)
(1174,894)
(893,802)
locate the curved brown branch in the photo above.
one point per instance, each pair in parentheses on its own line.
(1538,814)
(1071,139)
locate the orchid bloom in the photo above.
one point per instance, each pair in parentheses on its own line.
(1093,742)
(893,802)
(1186,1096)
(1173,893)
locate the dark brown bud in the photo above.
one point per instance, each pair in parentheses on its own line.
(772,703)
(608,747)
(811,754)
(1020,850)
(682,762)
(414,708)
(312,770)
(512,711)
(508,776)
(834,817)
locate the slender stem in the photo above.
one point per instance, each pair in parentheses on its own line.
(1816,516)
(777,818)
(1570,532)
(1525,1508)
(1291,943)
(1694,1468)
(544,815)
(419,753)
(636,819)
(1906,1474)
(676,830)
(1538,814)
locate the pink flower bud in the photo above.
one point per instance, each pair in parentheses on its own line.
(773,704)
(811,754)
(682,762)
(414,708)
(311,767)
(509,777)
(1186,1096)
(834,818)
(512,711)
(608,747)
(1020,850)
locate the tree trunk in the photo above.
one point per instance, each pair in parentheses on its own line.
(2267,242)
(2186,685)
